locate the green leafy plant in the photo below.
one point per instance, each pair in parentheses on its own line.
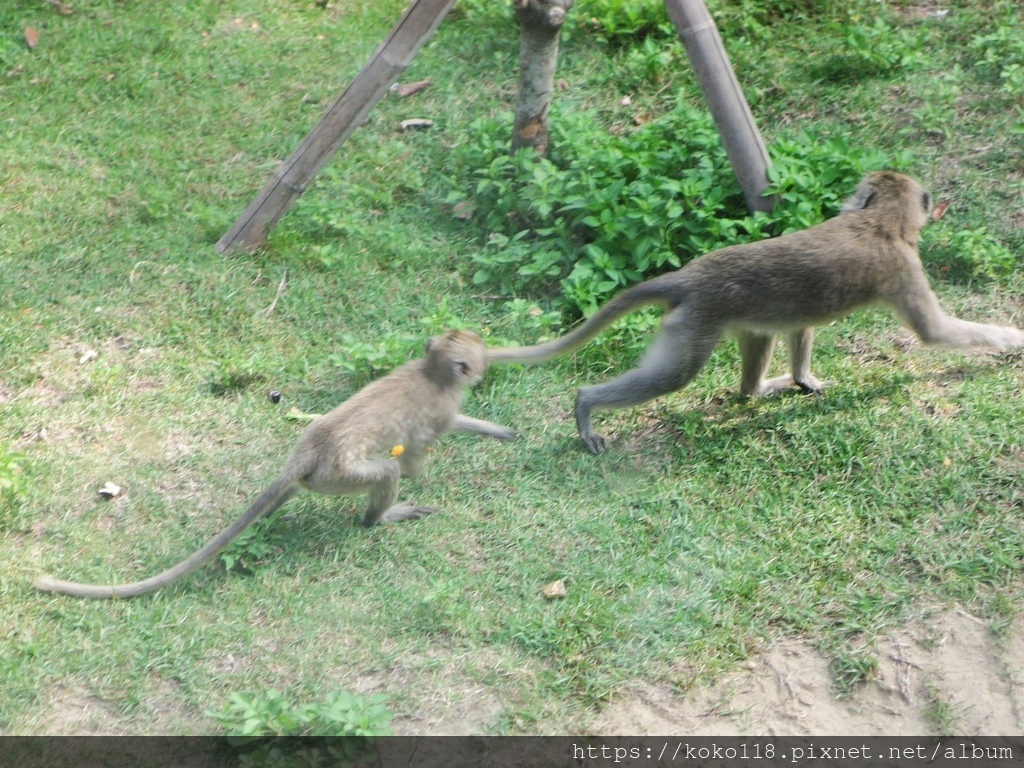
(365,360)
(253,544)
(624,21)
(351,720)
(231,376)
(1002,52)
(341,714)
(605,211)
(13,482)
(973,250)
(756,16)
(869,48)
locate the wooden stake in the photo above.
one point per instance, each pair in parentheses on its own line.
(736,125)
(346,114)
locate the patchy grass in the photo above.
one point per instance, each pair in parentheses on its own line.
(713,526)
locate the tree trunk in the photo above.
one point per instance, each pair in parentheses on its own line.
(742,140)
(540,22)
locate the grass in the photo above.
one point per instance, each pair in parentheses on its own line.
(132,135)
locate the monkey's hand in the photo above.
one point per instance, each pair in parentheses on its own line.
(505,433)
(465,423)
(407,510)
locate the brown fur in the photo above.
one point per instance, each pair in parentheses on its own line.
(867,254)
(350,450)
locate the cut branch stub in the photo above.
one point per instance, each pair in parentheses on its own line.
(540,22)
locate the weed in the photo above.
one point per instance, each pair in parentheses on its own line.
(351,720)
(851,668)
(625,21)
(366,360)
(341,714)
(606,211)
(941,714)
(253,544)
(1002,53)
(13,484)
(232,377)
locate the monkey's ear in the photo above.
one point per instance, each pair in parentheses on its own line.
(430,345)
(861,198)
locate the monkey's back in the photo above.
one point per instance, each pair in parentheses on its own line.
(403,408)
(819,273)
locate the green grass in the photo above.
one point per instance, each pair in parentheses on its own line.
(134,134)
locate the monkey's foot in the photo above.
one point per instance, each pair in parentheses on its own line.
(407,510)
(807,384)
(812,385)
(595,442)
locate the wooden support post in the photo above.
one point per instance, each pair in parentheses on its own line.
(390,60)
(742,140)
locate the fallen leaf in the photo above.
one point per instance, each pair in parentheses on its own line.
(408,89)
(554,590)
(31,37)
(110,491)
(416,123)
(88,356)
(464,210)
(940,208)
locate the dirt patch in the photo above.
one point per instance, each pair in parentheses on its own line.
(947,673)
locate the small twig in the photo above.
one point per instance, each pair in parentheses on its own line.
(782,680)
(280,290)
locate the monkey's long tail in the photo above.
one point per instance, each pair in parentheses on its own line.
(659,290)
(273,497)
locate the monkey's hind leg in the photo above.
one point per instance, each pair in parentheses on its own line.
(670,363)
(381,476)
(756,351)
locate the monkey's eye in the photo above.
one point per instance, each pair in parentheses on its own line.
(462,367)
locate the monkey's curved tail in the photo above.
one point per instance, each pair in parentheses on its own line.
(664,290)
(273,497)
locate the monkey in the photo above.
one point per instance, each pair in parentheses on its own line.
(364,445)
(868,254)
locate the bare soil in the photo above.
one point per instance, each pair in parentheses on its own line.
(945,674)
